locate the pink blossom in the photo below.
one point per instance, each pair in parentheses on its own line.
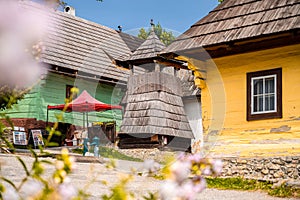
(67,191)
(195,157)
(151,166)
(10,194)
(187,190)
(31,188)
(180,170)
(20,44)
(200,185)
(206,171)
(169,190)
(217,166)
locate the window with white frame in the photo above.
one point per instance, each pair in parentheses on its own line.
(264,94)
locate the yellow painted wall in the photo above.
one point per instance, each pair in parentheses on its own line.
(239,137)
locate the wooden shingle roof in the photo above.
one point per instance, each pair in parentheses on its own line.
(83,46)
(153,105)
(241,20)
(132,42)
(189,89)
(148,50)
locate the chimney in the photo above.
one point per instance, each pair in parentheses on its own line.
(70,10)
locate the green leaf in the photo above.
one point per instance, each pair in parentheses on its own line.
(9,182)
(24,165)
(53,144)
(34,154)
(58,133)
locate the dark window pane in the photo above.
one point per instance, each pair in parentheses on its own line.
(258,104)
(272,102)
(255,104)
(269,102)
(261,103)
(270,85)
(258,86)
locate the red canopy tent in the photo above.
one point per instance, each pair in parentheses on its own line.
(84,103)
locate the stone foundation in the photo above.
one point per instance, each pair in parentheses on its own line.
(272,169)
(148,154)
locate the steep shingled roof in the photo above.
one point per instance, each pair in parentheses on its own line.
(240,20)
(149,49)
(153,105)
(82,45)
(132,42)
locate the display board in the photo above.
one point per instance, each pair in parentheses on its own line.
(19,136)
(37,137)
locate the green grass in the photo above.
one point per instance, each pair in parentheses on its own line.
(252,185)
(78,150)
(111,153)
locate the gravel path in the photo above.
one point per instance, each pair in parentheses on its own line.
(89,176)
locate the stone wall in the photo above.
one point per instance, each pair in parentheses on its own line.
(8,135)
(272,169)
(148,154)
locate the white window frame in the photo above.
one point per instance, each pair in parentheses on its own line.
(264,94)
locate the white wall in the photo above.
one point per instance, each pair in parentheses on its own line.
(192,107)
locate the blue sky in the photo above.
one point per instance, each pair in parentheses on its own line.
(173,15)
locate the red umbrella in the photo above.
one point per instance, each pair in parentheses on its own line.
(84,103)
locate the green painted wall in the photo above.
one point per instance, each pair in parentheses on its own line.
(52,91)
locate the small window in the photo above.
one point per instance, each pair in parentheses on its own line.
(264,94)
(68,91)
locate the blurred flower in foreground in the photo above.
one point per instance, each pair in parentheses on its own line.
(64,165)
(21,34)
(186,177)
(10,193)
(151,166)
(31,188)
(67,191)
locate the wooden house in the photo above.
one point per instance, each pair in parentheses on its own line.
(246,55)
(154,115)
(79,53)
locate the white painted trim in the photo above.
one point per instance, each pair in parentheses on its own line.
(264,94)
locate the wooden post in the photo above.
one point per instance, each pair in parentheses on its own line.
(83,121)
(157,66)
(131,69)
(47,117)
(176,72)
(87,119)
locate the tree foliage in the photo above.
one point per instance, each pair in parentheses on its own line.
(10,96)
(165,36)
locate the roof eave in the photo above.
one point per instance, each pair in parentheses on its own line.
(246,45)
